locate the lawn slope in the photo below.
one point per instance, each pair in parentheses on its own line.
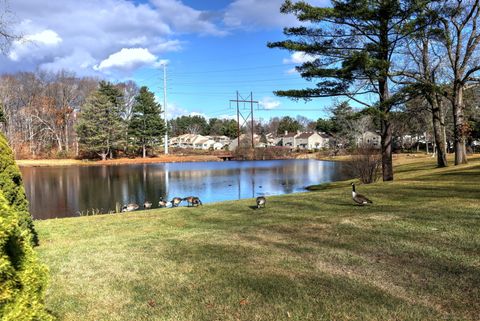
(413,255)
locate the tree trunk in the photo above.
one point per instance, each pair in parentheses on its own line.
(387,164)
(459,127)
(103,155)
(438,122)
(386,134)
(59,142)
(66,135)
(426,143)
(144,151)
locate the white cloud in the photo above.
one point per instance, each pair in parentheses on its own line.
(186,19)
(299,57)
(46,37)
(169,45)
(250,14)
(253,13)
(291,71)
(269,103)
(173,109)
(83,61)
(225,116)
(127,59)
(34,43)
(82,34)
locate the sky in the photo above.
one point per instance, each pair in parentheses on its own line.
(212,49)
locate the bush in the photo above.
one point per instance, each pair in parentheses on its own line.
(12,187)
(22,278)
(365,164)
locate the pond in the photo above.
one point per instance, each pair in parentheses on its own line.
(78,190)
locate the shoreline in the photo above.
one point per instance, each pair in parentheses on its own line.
(117,161)
(172,158)
(397,158)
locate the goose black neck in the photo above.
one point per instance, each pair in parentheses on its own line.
(353,187)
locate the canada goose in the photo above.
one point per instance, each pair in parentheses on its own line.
(130,207)
(162,202)
(147,204)
(193,200)
(359,198)
(197,201)
(261,201)
(176,201)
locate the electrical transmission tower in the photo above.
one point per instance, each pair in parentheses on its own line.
(248,101)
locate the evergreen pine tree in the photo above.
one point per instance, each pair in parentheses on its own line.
(350,48)
(100,127)
(146,126)
(115,96)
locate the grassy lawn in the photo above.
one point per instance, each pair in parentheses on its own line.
(413,255)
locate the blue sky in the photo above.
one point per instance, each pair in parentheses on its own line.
(213,48)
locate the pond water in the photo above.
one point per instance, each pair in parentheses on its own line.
(72,191)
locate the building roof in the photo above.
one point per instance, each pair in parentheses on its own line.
(288,135)
(305,135)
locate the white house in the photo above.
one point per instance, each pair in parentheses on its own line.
(310,140)
(195,142)
(221,140)
(288,139)
(202,142)
(370,139)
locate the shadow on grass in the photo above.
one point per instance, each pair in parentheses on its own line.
(230,272)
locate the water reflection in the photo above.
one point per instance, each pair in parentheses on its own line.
(69,191)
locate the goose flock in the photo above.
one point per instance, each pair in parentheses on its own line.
(194,201)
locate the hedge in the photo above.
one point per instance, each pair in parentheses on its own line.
(12,188)
(23,278)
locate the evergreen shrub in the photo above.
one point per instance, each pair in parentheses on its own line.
(23,278)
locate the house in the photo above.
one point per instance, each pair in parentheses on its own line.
(327,139)
(310,140)
(305,140)
(273,140)
(288,139)
(245,141)
(202,142)
(222,140)
(192,141)
(370,139)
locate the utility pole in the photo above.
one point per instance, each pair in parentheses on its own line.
(165,139)
(249,100)
(238,122)
(251,112)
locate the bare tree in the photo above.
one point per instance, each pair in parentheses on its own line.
(7,36)
(460,38)
(422,77)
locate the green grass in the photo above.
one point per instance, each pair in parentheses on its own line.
(413,255)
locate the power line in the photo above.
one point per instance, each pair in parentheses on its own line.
(235,81)
(232,69)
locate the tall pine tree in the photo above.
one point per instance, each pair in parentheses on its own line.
(146,126)
(100,127)
(116,97)
(353,45)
